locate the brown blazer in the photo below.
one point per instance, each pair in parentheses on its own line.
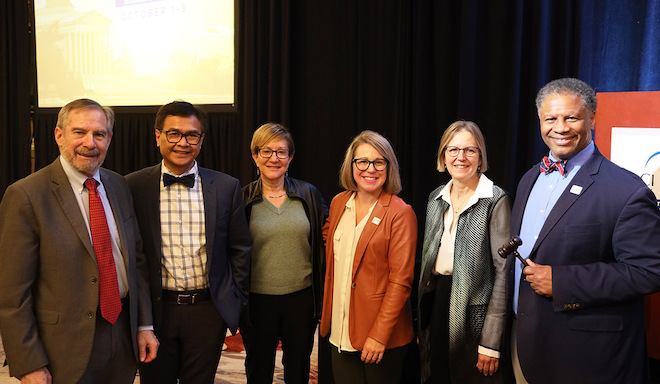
(48,273)
(383,273)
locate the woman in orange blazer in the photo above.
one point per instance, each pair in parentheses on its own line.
(370,235)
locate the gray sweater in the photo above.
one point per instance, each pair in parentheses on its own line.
(281,253)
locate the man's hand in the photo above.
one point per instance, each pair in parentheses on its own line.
(487,365)
(373,351)
(38,376)
(148,345)
(539,278)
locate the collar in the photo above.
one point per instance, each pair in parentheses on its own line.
(579,159)
(77,178)
(484,190)
(350,204)
(164,169)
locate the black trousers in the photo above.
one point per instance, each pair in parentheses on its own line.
(439,331)
(112,360)
(191,338)
(348,367)
(289,318)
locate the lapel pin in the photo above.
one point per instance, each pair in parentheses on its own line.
(376,220)
(576,189)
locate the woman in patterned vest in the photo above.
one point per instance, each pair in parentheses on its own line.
(461,300)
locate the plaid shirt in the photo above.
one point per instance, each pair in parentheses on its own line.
(183,235)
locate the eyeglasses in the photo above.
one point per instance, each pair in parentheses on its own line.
(363,164)
(468,151)
(267,153)
(174,137)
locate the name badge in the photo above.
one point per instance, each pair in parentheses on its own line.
(576,189)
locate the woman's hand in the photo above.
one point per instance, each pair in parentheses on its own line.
(487,365)
(373,351)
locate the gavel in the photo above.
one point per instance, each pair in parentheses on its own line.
(510,248)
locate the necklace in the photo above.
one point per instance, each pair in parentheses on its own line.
(274,197)
(458,203)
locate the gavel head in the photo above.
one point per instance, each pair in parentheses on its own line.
(510,246)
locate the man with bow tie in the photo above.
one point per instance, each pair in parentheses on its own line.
(197,244)
(591,235)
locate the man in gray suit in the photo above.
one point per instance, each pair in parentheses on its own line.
(55,275)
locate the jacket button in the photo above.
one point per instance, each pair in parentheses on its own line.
(158,298)
(93,279)
(353,286)
(90,315)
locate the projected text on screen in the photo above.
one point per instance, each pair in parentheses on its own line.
(135,52)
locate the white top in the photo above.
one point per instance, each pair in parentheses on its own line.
(345,240)
(444,263)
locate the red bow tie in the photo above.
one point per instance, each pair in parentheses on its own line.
(547,166)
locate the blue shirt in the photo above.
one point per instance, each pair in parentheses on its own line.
(543,197)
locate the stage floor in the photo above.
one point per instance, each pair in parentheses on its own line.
(230,369)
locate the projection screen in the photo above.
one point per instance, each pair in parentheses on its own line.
(134,52)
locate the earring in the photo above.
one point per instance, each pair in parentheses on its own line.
(258,172)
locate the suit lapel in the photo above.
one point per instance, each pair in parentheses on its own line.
(375,220)
(62,190)
(152,206)
(210,205)
(583,179)
(336,210)
(433,233)
(115,205)
(518,210)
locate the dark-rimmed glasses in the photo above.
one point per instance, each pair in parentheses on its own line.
(468,151)
(173,137)
(267,153)
(363,164)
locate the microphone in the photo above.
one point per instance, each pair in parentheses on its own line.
(510,248)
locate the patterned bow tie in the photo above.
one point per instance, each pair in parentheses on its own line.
(547,166)
(187,180)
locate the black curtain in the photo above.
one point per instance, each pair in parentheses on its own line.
(16,81)
(263,67)
(405,68)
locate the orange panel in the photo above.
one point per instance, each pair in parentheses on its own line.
(624,109)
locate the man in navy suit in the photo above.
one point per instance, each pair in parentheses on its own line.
(197,244)
(591,236)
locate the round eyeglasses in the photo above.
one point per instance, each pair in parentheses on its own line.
(267,153)
(363,164)
(174,137)
(468,151)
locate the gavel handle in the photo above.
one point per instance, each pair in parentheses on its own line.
(516,254)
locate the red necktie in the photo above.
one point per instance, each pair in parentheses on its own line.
(108,287)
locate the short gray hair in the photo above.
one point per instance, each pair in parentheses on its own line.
(63,115)
(568,86)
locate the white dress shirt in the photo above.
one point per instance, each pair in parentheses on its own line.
(77,181)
